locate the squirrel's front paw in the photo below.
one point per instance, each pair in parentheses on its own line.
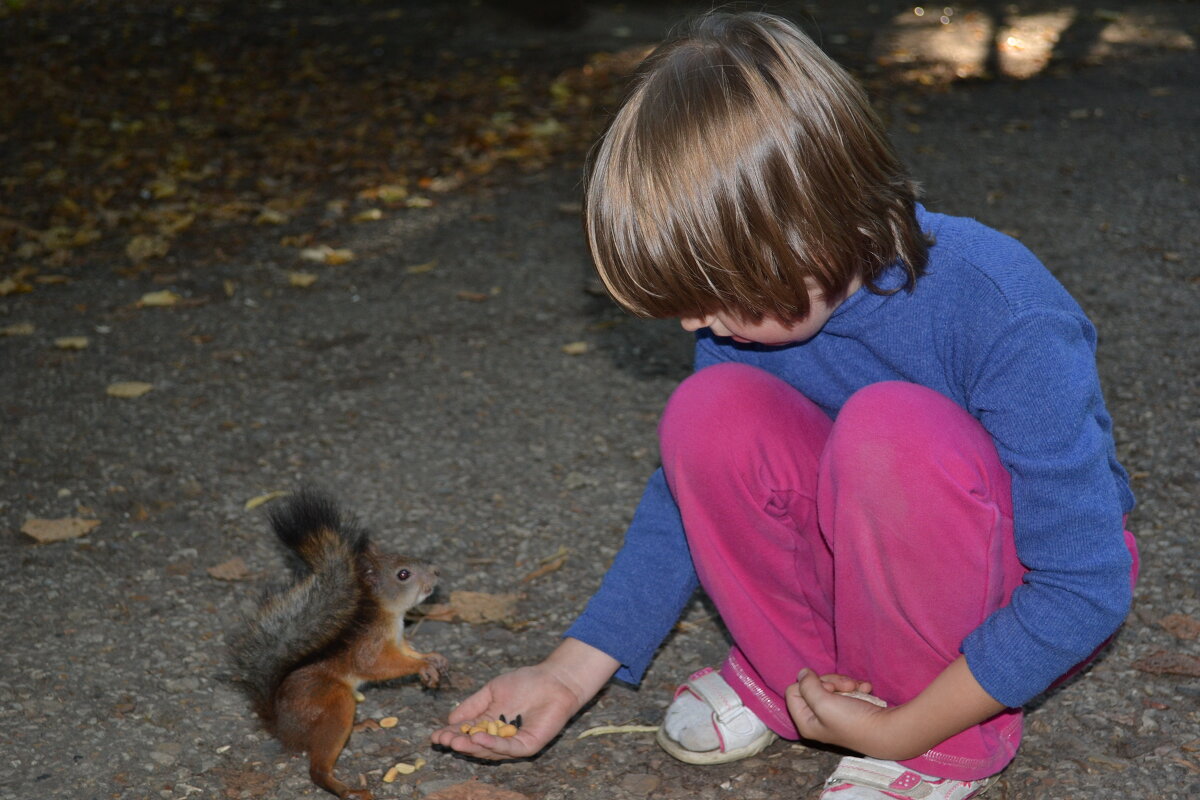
(435,667)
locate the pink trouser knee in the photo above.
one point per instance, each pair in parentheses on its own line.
(870,546)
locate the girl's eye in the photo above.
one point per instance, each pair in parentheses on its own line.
(403,575)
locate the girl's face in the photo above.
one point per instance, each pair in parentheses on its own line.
(768,330)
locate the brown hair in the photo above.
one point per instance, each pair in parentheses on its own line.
(744,168)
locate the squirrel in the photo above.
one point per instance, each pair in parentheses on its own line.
(302,656)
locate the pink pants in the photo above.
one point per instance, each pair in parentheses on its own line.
(870,546)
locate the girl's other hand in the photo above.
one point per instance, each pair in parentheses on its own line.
(822,713)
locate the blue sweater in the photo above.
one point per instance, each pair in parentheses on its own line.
(990,328)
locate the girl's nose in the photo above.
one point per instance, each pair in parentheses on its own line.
(693,324)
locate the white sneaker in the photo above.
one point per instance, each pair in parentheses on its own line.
(707,723)
(872,779)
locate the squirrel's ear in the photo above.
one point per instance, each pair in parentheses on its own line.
(369,561)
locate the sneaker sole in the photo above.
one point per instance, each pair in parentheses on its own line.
(706,757)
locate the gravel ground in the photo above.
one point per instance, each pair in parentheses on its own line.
(459,429)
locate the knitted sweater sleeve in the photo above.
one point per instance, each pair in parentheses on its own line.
(651,579)
(646,588)
(1036,391)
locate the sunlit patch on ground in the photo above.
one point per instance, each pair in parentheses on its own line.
(933,45)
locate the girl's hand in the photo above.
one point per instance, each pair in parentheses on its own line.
(824,715)
(544,696)
(543,702)
(953,702)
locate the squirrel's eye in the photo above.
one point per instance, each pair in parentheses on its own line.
(403,575)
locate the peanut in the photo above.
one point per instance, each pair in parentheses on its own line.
(489,726)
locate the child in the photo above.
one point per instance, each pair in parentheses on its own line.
(892,472)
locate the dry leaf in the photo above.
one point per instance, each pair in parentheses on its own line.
(301,280)
(477,608)
(17,329)
(11,285)
(232,570)
(438,612)
(388,193)
(146,246)
(71,342)
(127,390)
(1166,663)
(44,531)
(575,348)
(475,789)
(255,502)
(161,299)
(369,215)
(325,254)
(606,730)
(548,565)
(270,216)
(1181,625)
(418,269)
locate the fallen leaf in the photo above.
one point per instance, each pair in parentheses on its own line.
(255,502)
(146,246)
(607,730)
(270,216)
(438,612)
(388,193)
(1166,663)
(301,280)
(475,789)
(232,570)
(127,390)
(160,299)
(476,608)
(11,285)
(162,187)
(548,565)
(325,254)
(575,348)
(1181,625)
(44,531)
(369,215)
(471,297)
(71,342)
(17,329)
(418,269)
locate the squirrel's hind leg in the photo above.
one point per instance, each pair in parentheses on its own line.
(327,736)
(321,717)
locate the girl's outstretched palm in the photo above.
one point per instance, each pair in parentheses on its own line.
(542,701)
(544,696)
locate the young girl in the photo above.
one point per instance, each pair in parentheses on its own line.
(892,472)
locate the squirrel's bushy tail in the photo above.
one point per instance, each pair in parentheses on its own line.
(300,620)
